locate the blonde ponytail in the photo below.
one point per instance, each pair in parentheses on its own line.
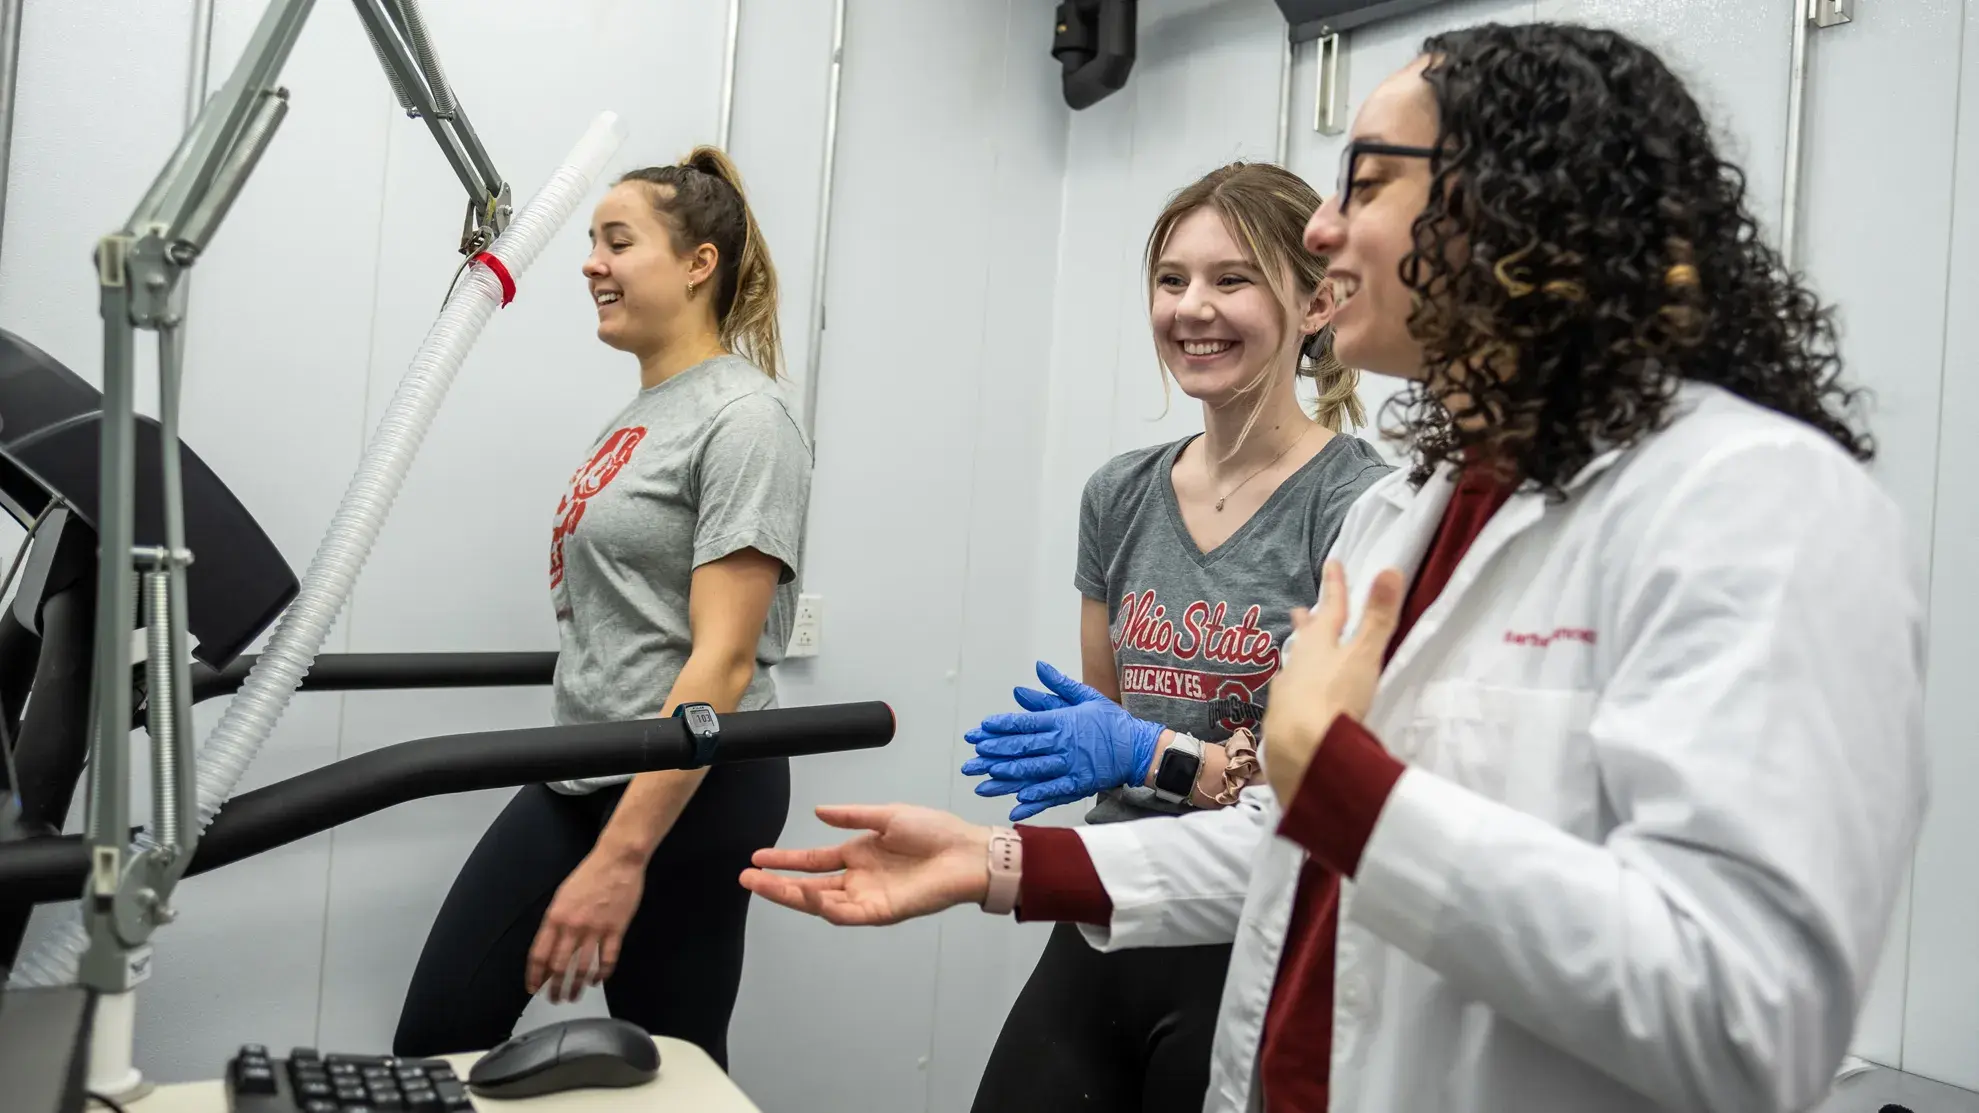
(749,321)
(1338,405)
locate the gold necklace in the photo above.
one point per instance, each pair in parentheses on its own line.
(1281,455)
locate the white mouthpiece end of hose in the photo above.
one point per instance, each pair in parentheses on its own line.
(601,141)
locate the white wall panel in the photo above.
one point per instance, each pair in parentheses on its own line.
(1941,1029)
(983,961)
(99,108)
(1097,302)
(279,322)
(777,140)
(936,233)
(1889,289)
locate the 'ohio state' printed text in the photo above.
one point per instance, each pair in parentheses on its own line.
(1204,636)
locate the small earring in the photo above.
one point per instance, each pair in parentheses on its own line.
(690,287)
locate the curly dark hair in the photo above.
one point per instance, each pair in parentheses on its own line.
(1584,233)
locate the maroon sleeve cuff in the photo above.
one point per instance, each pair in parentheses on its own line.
(1341,795)
(1059,882)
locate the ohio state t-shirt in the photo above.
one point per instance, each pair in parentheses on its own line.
(1196,635)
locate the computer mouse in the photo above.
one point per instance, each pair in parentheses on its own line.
(591,1053)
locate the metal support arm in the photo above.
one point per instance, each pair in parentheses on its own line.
(141,270)
(398,35)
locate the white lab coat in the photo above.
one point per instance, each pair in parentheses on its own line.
(1666,766)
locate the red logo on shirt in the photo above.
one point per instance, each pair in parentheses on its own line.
(585,485)
(1205,636)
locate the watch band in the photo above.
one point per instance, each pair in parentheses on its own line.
(1175,774)
(1006,870)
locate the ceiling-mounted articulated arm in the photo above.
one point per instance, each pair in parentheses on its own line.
(191,195)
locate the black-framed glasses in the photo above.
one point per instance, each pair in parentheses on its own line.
(1352,153)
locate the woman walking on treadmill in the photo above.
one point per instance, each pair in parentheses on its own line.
(674,558)
(1192,555)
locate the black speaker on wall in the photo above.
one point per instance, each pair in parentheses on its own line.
(1094,41)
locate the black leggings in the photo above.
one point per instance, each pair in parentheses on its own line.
(1125,1032)
(681,961)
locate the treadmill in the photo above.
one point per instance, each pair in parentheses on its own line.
(50,432)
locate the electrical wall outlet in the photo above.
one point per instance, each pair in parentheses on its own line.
(807,634)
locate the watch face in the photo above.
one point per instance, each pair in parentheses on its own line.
(700,719)
(1177,773)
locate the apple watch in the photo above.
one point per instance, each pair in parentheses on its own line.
(1006,870)
(1175,774)
(704,726)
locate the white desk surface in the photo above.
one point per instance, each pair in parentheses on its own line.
(689,1082)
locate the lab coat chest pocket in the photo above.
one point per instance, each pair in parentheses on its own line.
(1528,748)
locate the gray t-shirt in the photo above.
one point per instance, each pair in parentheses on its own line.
(703,465)
(1196,635)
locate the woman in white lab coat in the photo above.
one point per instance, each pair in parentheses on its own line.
(1593,774)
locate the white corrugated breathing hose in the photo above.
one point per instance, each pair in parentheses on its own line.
(299,635)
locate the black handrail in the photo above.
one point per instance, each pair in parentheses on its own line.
(367,672)
(52,868)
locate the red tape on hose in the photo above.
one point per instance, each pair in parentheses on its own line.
(501,275)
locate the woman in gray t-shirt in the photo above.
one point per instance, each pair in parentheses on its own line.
(1192,556)
(673,564)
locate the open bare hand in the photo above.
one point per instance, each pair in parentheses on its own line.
(1325,674)
(911,862)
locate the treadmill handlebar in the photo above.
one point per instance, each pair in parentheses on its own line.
(361,672)
(53,868)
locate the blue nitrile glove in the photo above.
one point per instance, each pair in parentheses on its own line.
(1007,775)
(1011,775)
(1056,755)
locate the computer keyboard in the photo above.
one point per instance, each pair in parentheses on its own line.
(308,1082)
